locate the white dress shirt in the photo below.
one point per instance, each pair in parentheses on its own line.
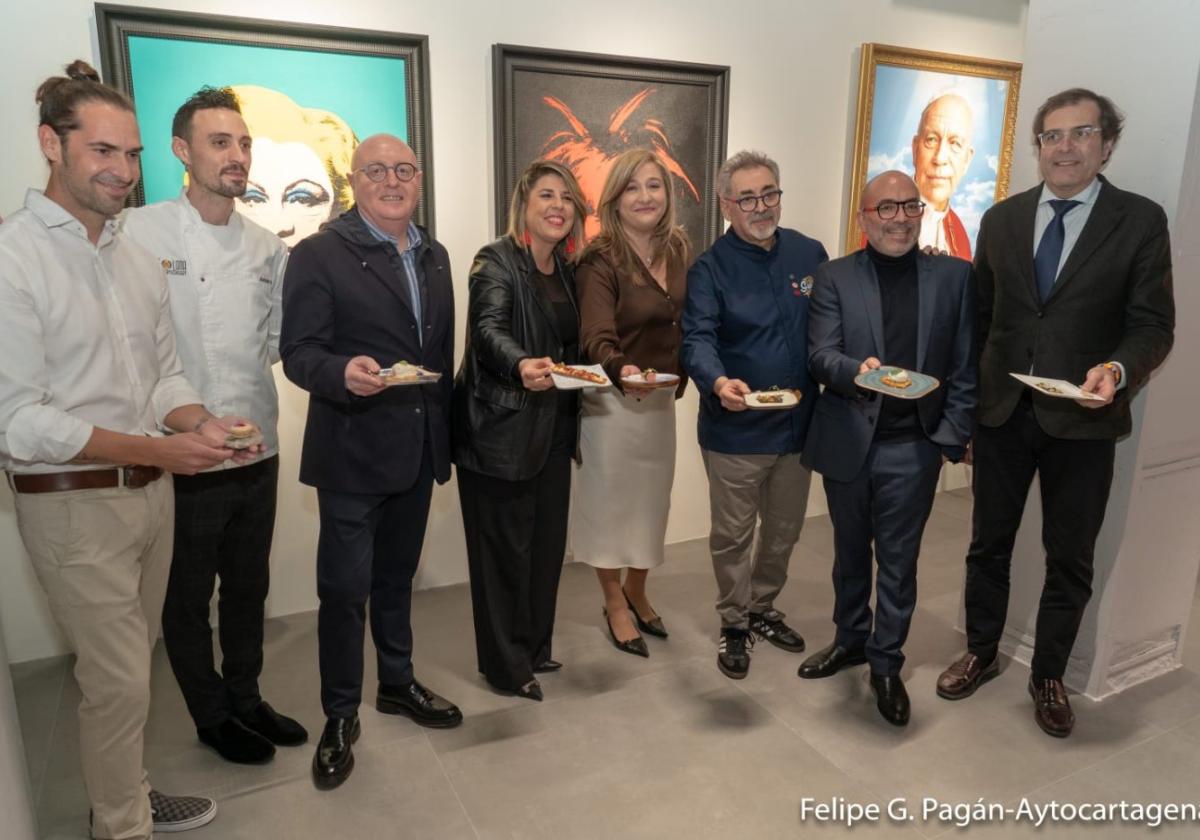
(85,339)
(226,286)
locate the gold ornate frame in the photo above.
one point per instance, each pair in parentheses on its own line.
(874,55)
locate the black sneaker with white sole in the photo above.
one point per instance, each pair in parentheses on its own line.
(180,813)
(769,625)
(733,652)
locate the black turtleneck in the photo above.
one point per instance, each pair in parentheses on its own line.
(899,298)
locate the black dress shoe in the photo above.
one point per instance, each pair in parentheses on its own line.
(891,698)
(279,729)
(654,626)
(234,742)
(636,645)
(334,759)
(419,703)
(827,662)
(548,666)
(532,690)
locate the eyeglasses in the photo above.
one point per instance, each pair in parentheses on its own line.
(1079,134)
(889,209)
(749,203)
(378,172)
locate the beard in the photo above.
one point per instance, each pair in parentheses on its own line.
(222,187)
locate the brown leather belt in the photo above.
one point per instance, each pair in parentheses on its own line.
(131,477)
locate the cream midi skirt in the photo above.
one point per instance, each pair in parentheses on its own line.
(623,488)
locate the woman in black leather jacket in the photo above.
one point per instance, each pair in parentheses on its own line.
(514,434)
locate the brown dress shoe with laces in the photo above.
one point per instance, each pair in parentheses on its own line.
(962,678)
(1052,710)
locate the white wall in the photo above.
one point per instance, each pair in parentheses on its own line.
(793,89)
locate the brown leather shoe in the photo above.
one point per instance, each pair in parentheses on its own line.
(962,678)
(1052,710)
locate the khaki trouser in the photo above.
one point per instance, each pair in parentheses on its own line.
(745,490)
(103,558)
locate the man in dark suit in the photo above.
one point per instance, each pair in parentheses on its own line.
(371,288)
(1074,282)
(881,455)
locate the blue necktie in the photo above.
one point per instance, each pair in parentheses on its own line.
(1049,252)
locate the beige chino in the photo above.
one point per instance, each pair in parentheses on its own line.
(103,557)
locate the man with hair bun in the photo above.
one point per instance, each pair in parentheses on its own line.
(225,275)
(88,379)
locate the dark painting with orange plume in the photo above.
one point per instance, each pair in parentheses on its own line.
(584,110)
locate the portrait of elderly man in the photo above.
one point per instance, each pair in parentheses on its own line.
(942,151)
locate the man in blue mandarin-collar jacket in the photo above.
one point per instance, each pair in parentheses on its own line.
(745,329)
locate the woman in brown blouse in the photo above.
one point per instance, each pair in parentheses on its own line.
(631,283)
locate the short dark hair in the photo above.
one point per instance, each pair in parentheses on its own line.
(59,97)
(203,99)
(1111,119)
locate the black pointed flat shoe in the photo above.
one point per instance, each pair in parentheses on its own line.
(636,645)
(532,690)
(548,666)
(654,626)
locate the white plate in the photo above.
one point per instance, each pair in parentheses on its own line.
(570,383)
(661,380)
(1056,387)
(790,400)
(423,377)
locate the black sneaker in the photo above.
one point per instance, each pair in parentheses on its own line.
(180,813)
(770,626)
(733,653)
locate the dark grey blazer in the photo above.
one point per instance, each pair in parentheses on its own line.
(846,326)
(1111,301)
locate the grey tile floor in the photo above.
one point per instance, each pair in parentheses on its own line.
(659,748)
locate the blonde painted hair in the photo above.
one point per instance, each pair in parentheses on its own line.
(668,240)
(269,113)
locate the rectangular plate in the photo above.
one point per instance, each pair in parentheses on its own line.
(570,383)
(791,399)
(423,377)
(1055,387)
(921,385)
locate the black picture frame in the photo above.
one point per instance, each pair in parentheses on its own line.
(116,24)
(687,107)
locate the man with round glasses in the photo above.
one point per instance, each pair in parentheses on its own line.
(370,289)
(1074,280)
(892,306)
(745,329)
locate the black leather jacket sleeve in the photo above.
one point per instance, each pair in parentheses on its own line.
(490,312)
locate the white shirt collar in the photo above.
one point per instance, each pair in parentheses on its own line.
(1085,196)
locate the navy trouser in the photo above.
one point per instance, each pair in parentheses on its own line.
(369,549)
(887,503)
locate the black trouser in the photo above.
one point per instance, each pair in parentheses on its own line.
(369,547)
(516,537)
(887,504)
(1075,477)
(223,525)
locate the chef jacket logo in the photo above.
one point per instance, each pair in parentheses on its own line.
(176,267)
(802,287)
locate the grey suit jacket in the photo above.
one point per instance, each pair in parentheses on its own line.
(846,326)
